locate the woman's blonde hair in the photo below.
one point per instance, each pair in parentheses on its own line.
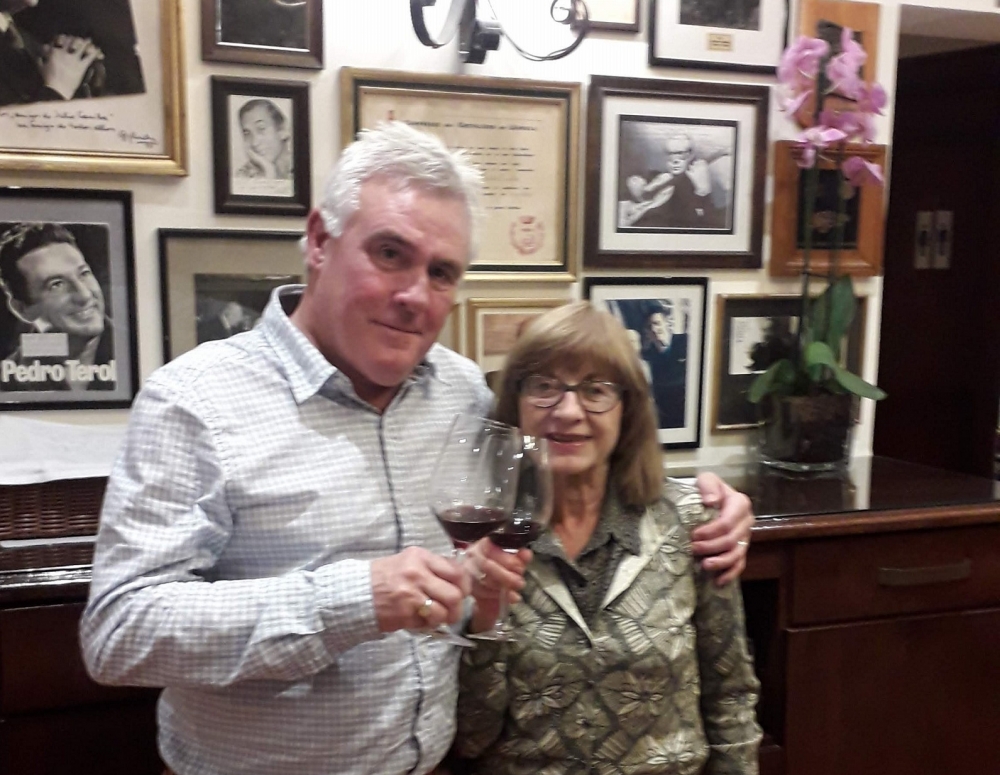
(577,336)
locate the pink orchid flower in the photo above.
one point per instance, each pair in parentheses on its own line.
(800,63)
(854,124)
(844,69)
(816,139)
(872,98)
(862,173)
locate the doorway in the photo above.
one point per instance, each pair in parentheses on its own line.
(939,352)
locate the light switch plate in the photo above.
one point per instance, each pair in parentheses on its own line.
(923,240)
(944,236)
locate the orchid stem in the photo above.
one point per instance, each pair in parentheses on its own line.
(812,175)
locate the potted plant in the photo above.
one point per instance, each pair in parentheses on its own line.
(805,395)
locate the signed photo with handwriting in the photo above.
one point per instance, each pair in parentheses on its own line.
(60,50)
(66,327)
(676,174)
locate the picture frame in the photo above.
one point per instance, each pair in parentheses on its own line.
(260,143)
(127,113)
(744,37)
(263,32)
(613,15)
(826,19)
(666,317)
(861,254)
(67,311)
(640,211)
(205,272)
(741,323)
(492,326)
(525,137)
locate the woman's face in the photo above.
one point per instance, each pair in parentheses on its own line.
(580,442)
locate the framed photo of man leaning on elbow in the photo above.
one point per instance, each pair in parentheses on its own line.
(67,308)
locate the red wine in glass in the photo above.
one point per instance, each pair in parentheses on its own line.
(518,531)
(466,524)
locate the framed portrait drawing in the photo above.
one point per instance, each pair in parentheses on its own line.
(288,33)
(109,97)
(752,332)
(741,35)
(523,135)
(216,282)
(616,15)
(665,317)
(675,174)
(260,142)
(493,325)
(860,251)
(827,19)
(67,321)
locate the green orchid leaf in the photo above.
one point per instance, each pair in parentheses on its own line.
(779,377)
(841,313)
(819,354)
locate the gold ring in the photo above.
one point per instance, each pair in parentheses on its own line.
(425,608)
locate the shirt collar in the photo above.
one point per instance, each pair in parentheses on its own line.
(305,368)
(615,521)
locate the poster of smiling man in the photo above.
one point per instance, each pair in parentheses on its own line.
(66,336)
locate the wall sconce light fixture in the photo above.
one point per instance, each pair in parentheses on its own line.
(477,36)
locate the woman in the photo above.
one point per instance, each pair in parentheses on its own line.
(628,659)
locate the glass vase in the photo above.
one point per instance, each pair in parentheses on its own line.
(805,434)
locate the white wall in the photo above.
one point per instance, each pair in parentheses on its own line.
(377,34)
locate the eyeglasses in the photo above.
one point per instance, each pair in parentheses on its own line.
(595,397)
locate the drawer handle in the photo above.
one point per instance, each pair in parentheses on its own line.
(929,574)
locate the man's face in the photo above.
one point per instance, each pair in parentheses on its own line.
(261,134)
(62,290)
(660,328)
(13,6)
(678,155)
(380,293)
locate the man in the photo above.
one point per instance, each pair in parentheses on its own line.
(266,140)
(666,353)
(33,72)
(266,545)
(68,342)
(679,198)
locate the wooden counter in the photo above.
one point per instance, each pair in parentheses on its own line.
(873,607)
(873,610)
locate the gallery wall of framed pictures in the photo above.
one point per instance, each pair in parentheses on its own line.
(581,201)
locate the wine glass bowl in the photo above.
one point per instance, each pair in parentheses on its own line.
(474,483)
(531,513)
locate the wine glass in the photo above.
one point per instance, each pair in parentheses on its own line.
(473,486)
(531,514)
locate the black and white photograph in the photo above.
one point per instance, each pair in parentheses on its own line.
(231,304)
(61,50)
(260,146)
(261,142)
(66,330)
(734,35)
(215,283)
(92,87)
(265,32)
(727,14)
(676,175)
(752,333)
(665,319)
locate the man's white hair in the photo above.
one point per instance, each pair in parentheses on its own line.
(398,153)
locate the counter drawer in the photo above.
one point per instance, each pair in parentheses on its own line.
(860,577)
(40,663)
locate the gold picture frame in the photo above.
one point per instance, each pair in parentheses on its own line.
(862,256)
(493,325)
(524,134)
(130,134)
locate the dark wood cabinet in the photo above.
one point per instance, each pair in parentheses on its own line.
(876,635)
